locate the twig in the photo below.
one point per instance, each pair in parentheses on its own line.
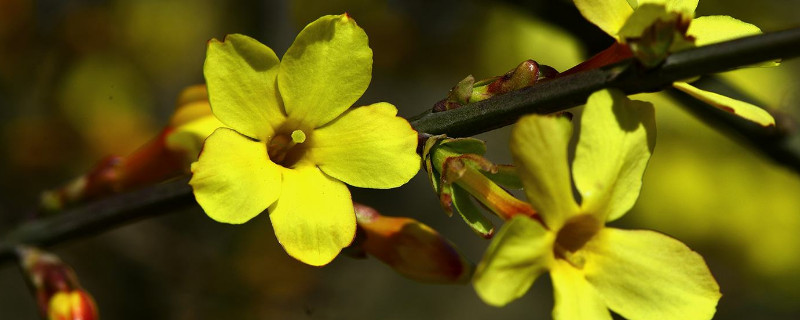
(550,96)
(570,91)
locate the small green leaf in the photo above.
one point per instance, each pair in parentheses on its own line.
(465,145)
(506,176)
(471,214)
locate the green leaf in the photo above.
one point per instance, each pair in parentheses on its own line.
(464,145)
(471,214)
(505,176)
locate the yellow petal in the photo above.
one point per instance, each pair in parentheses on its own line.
(645,16)
(685,7)
(233,180)
(518,254)
(647,275)
(539,147)
(192,104)
(712,29)
(740,108)
(314,217)
(327,68)
(367,147)
(189,136)
(240,74)
(617,137)
(574,297)
(609,15)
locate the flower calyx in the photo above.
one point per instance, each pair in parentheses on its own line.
(459,173)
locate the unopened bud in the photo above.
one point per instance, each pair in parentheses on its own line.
(72,305)
(166,156)
(469,91)
(55,286)
(410,247)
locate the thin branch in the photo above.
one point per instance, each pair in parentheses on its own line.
(570,91)
(100,215)
(550,96)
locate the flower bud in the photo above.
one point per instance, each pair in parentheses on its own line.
(166,156)
(410,247)
(55,286)
(469,91)
(72,305)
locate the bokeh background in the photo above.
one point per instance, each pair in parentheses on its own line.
(83,79)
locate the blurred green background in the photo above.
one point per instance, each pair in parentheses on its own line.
(83,79)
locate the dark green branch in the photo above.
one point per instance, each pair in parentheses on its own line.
(100,215)
(547,97)
(570,91)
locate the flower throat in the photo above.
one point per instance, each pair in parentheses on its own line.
(287,149)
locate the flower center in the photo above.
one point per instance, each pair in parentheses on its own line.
(286,149)
(573,235)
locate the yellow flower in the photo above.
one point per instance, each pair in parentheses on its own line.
(291,143)
(628,19)
(637,274)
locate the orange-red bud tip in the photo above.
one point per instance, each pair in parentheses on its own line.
(411,248)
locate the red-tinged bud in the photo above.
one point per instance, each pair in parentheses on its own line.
(410,247)
(524,75)
(55,286)
(468,91)
(72,305)
(166,156)
(458,96)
